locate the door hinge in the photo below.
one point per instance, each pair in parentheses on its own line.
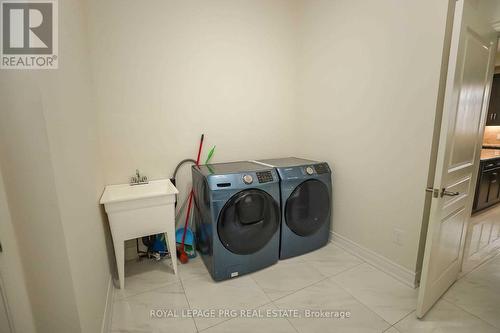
(434,191)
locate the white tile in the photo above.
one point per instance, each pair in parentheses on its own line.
(299,258)
(286,277)
(487,274)
(263,324)
(479,292)
(131,331)
(444,317)
(370,295)
(329,296)
(240,293)
(389,298)
(145,275)
(392,330)
(133,314)
(331,260)
(193,268)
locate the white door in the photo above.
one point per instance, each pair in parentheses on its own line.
(5,320)
(468,82)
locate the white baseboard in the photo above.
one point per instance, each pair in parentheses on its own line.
(395,270)
(108,308)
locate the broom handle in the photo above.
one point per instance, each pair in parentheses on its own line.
(199,150)
(187,218)
(191,195)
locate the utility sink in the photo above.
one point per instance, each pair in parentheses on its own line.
(138,211)
(126,192)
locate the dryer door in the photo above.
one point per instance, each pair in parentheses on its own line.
(248,221)
(308,207)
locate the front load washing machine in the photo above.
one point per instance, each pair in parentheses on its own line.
(237,217)
(306,204)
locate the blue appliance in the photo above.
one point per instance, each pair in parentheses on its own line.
(306,204)
(237,217)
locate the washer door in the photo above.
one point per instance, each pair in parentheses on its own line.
(308,208)
(248,221)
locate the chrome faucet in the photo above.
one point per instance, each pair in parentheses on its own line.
(138,179)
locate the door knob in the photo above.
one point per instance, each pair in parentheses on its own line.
(436,194)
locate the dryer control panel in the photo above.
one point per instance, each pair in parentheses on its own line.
(304,171)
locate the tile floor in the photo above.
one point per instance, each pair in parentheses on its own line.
(328,279)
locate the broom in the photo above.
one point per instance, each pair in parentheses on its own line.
(181,253)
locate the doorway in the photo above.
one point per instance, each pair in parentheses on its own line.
(466,86)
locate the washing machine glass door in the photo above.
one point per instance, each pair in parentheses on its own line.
(248,221)
(308,208)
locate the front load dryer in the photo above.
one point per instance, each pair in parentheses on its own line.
(306,204)
(237,217)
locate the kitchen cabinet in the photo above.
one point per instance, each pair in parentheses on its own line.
(488,184)
(494,106)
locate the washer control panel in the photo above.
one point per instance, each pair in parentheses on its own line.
(321,168)
(247,179)
(309,170)
(243,179)
(265,176)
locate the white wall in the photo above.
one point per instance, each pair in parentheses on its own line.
(369,75)
(350,82)
(11,271)
(73,135)
(166,71)
(354,83)
(29,183)
(51,164)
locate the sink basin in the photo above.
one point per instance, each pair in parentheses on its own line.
(138,211)
(126,192)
